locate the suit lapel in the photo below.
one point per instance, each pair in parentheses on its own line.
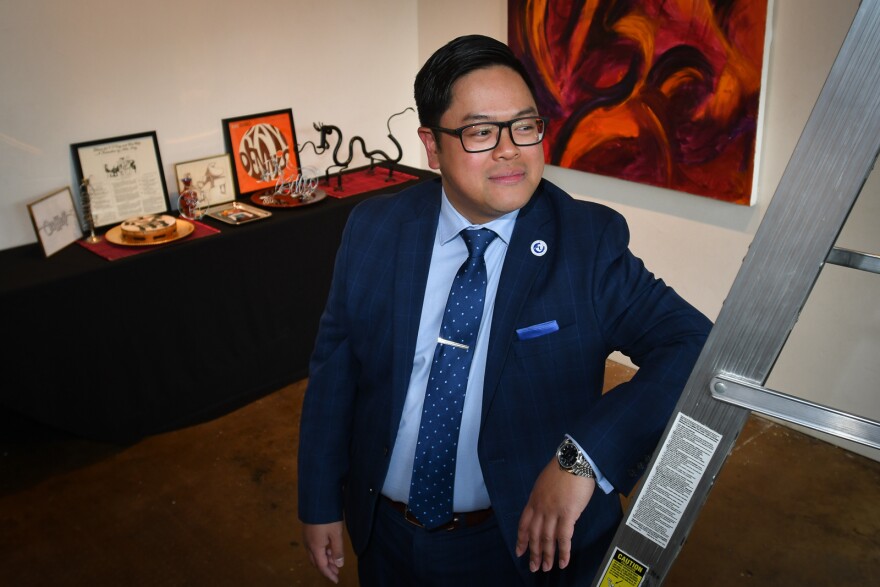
(414,259)
(521,267)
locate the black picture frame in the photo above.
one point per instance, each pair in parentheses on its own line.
(255,142)
(125,177)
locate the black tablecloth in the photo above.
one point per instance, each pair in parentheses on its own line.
(119,350)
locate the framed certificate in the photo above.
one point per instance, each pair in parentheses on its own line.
(125,177)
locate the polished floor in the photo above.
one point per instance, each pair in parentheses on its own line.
(215,505)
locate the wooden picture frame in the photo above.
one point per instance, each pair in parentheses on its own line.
(262,146)
(125,177)
(55,221)
(211,176)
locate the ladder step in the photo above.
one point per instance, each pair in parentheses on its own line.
(854,259)
(745,394)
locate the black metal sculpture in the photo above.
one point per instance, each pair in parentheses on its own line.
(375,156)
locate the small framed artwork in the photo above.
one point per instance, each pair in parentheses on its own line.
(55,220)
(211,176)
(263,149)
(125,177)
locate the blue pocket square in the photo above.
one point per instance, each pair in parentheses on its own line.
(537,330)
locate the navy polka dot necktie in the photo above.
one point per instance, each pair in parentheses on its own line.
(433,479)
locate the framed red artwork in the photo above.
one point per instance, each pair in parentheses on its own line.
(263,147)
(662,93)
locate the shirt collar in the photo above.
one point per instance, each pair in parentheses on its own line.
(451,223)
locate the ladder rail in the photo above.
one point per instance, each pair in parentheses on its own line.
(827,170)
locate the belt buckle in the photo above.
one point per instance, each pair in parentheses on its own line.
(407,515)
(451,525)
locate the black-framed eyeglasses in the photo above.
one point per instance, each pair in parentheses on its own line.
(485,136)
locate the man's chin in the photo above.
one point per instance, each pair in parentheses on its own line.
(505,203)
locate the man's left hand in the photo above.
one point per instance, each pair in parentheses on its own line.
(547,524)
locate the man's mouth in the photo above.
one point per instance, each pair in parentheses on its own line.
(508,177)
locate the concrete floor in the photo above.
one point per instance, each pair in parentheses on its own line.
(215,504)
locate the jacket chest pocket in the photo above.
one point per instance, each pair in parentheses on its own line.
(552,365)
(545,338)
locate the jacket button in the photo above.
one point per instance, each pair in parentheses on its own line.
(385,451)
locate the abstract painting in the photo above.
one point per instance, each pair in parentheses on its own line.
(661,92)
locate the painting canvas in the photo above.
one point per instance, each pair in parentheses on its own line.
(657,92)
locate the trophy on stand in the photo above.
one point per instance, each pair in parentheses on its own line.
(85,192)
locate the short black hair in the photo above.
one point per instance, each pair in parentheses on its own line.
(460,56)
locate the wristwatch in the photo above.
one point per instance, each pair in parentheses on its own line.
(571,459)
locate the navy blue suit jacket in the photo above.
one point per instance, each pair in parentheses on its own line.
(535,390)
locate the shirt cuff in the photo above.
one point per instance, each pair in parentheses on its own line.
(601,481)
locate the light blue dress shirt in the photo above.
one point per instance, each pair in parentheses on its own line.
(448,254)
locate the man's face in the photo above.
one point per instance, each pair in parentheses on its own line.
(484,186)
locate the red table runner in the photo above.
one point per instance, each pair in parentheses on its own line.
(113,252)
(362,181)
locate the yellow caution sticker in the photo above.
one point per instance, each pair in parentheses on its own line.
(623,571)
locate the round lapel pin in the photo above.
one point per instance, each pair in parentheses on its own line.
(539,248)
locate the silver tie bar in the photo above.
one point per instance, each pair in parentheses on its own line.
(457,345)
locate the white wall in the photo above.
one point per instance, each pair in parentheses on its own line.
(697,245)
(94,69)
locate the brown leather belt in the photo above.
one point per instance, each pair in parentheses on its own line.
(462,520)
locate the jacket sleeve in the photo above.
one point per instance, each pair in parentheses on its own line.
(642,317)
(325,425)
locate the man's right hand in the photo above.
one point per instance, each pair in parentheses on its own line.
(324,545)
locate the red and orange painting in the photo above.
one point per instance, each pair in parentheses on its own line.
(661,92)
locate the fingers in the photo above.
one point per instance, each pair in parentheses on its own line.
(522,532)
(546,525)
(545,539)
(324,546)
(335,553)
(536,535)
(564,550)
(547,549)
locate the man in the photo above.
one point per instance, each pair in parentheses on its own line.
(539,454)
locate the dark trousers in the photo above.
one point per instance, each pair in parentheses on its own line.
(403,554)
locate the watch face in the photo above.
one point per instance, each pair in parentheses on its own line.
(568,455)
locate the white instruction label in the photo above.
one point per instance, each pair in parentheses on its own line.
(672,481)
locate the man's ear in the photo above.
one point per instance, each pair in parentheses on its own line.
(432,148)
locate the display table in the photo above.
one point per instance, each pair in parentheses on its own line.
(119,350)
